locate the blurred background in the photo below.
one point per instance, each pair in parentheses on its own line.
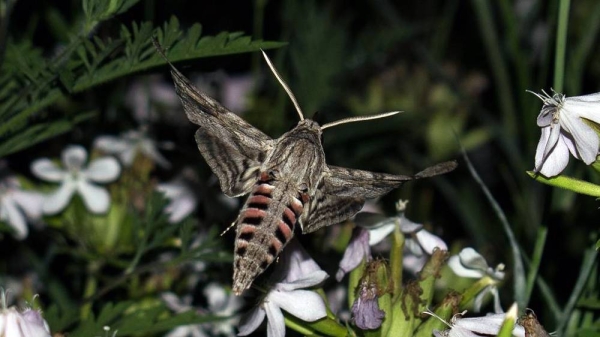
(459,71)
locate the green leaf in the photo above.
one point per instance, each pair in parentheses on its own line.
(30,83)
(572,184)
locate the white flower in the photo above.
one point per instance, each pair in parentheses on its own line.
(182,305)
(564,131)
(17,205)
(477,326)
(182,199)
(129,144)
(418,242)
(77,178)
(468,263)
(301,272)
(28,323)
(220,303)
(150,97)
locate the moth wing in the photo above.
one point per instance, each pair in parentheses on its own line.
(232,147)
(343,191)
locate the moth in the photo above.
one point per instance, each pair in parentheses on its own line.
(287,179)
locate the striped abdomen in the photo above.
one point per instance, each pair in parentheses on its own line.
(265,225)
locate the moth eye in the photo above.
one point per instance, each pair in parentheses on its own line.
(303,188)
(273,174)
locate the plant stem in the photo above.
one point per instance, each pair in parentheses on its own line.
(561,44)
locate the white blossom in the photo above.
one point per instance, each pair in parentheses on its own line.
(476,326)
(25,323)
(131,143)
(469,263)
(301,272)
(18,206)
(220,303)
(418,243)
(77,179)
(564,130)
(182,200)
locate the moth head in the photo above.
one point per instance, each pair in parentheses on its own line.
(299,110)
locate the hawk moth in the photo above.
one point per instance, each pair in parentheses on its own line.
(287,179)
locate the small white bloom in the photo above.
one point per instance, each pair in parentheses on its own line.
(17,205)
(220,303)
(476,326)
(130,143)
(182,199)
(180,305)
(469,263)
(28,323)
(77,178)
(301,272)
(150,97)
(418,242)
(564,131)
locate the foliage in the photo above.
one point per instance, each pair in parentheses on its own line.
(71,72)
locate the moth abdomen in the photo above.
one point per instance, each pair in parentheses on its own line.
(266,225)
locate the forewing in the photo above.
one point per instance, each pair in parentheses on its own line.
(233,148)
(343,191)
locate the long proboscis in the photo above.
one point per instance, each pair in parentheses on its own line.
(359,119)
(284,85)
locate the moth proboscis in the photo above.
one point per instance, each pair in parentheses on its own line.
(287,179)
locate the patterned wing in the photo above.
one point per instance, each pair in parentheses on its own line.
(233,148)
(342,193)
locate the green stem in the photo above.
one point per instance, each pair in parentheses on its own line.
(497,64)
(396,256)
(561,44)
(91,285)
(535,261)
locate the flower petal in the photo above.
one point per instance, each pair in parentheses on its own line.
(470,258)
(30,202)
(74,157)
(46,169)
(429,241)
(95,198)
(556,161)
(304,304)
(295,263)
(308,280)
(13,216)
(128,156)
(358,250)
(58,200)
(275,321)
(103,170)
(111,144)
(586,139)
(251,321)
(407,226)
(376,235)
(179,209)
(366,313)
(544,149)
(457,267)
(148,147)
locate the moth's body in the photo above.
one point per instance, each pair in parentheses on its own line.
(287,179)
(276,203)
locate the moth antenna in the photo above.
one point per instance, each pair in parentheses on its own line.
(359,119)
(284,85)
